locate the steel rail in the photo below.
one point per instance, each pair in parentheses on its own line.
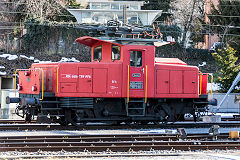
(93,155)
(103,138)
(118,146)
(115,143)
(32,126)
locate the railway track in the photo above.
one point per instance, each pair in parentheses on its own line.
(33,126)
(22,121)
(115,143)
(14,121)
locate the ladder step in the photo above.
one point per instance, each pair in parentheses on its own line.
(135,115)
(140,109)
(136,101)
(45,109)
(135,108)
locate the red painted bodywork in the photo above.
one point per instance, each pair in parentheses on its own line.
(204,83)
(166,77)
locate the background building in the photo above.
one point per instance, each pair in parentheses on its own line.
(100,12)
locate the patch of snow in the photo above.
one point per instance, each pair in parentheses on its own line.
(45,62)
(9,56)
(38,61)
(203,64)
(23,56)
(2,67)
(64,59)
(4,55)
(30,58)
(12,57)
(215,86)
(3,73)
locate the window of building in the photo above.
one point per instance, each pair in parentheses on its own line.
(96,6)
(124,5)
(136,58)
(105,6)
(133,7)
(97,53)
(116,51)
(115,6)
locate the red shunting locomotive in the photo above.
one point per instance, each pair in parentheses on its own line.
(124,82)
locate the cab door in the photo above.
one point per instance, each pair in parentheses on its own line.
(136,74)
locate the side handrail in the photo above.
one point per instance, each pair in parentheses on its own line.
(57,78)
(211,84)
(128,86)
(200,85)
(146,87)
(29,70)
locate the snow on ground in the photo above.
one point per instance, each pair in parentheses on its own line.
(135,155)
(9,56)
(3,73)
(38,61)
(69,59)
(13,57)
(203,64)
(139,155)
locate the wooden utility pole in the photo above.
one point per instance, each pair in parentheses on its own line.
(124,14)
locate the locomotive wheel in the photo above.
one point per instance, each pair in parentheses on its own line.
(144,122)
(196,117)
(28,117)
(63,122)
(77,116)
(162,112)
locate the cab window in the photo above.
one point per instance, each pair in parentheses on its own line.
(115,52)
(136,58)
(97,53)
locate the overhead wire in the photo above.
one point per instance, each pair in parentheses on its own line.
(224,26)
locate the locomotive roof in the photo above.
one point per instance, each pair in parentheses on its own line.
(91,41)
(170,61)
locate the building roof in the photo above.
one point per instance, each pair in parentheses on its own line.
(122,2)
(100,12)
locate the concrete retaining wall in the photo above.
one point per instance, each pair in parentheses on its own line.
(7,111)
(229,106)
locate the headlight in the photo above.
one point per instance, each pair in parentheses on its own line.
(34,88)
(20,87)
(27,73)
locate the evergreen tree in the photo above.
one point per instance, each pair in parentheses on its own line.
(229,67)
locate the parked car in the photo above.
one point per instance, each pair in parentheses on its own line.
(218,45)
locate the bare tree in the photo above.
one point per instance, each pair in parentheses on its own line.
(44,9)
(14,12)
(186,14)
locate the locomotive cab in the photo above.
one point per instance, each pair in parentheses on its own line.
(102,51)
